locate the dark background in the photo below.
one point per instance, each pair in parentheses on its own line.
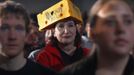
(40,5)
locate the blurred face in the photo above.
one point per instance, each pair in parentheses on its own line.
(12,35)
(33,35)
(114,28)
(65,32)
(32,27)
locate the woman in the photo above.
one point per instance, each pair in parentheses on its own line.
(64,48)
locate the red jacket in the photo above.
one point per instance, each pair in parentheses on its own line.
(50,57)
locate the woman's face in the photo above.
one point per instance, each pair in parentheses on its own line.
(114,30)
(65,32)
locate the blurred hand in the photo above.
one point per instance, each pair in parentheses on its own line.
(48,35)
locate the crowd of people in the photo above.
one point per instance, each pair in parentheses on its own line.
(102,45)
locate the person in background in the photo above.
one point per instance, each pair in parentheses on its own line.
(112,30)
(86,41)
(14,22)
(35,39)
(33,54)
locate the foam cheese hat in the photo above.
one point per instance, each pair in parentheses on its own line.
(63,10)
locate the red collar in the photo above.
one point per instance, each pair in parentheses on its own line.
(53,50)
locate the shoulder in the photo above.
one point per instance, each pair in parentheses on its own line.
(74,69)
(86,51)
(49,51)
(33,54)
(79,68)
(130,67)
(39,69)
(85,66)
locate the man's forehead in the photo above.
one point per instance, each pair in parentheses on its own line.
(12,19)
(11,15)
(112,9)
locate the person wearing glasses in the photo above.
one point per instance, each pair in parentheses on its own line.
(64,48)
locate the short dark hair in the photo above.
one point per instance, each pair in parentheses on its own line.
(12,7)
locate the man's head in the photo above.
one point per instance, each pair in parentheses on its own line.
(14,23)
(112,26)
(33,27)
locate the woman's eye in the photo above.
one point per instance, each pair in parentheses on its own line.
(111,23)
(4,27)
(61,26)
(20,28)
(70,25)
(128,22)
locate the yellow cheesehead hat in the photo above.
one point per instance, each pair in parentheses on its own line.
(63,10)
